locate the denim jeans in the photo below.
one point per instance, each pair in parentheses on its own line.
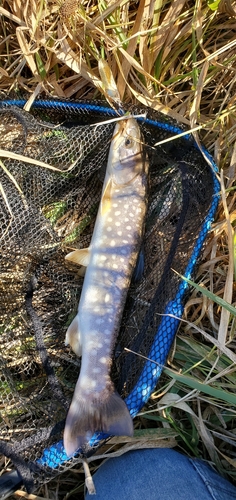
(159,474)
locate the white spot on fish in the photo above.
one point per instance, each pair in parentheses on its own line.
(131,215)
(119,233)
(109,228)
(126,205)
(118,212)
(115,204)
(128,228)
(93,383)
(109,219)
(122,259)
(90,344)
(117,223)
(112,243)
(115,266)
(96,370)
(85,382)
(103,360)
(107,297)
(99,321)
(103,257)
(126,219)
(125,242)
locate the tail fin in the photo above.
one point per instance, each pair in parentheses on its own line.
(87,416)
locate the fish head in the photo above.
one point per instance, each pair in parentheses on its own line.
(125,160)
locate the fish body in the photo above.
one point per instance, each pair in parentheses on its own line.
(110,261)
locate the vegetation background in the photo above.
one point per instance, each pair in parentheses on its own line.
(178,57)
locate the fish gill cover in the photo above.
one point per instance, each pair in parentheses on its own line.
(49,208)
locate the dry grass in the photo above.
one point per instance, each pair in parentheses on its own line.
(178,57)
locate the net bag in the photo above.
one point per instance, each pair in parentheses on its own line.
(50,187)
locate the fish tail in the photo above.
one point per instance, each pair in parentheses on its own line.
(87,415)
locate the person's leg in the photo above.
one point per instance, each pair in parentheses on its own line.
(159,474)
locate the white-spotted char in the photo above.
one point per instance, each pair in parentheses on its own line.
(110,261)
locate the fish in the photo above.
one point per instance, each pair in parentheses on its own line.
(110,261)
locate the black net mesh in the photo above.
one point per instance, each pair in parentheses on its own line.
(47,211)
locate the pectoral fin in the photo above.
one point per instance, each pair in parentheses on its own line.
(80,256)
(73,337)
(106,198)
(81,271)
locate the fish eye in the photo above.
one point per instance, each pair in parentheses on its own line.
(128,142)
